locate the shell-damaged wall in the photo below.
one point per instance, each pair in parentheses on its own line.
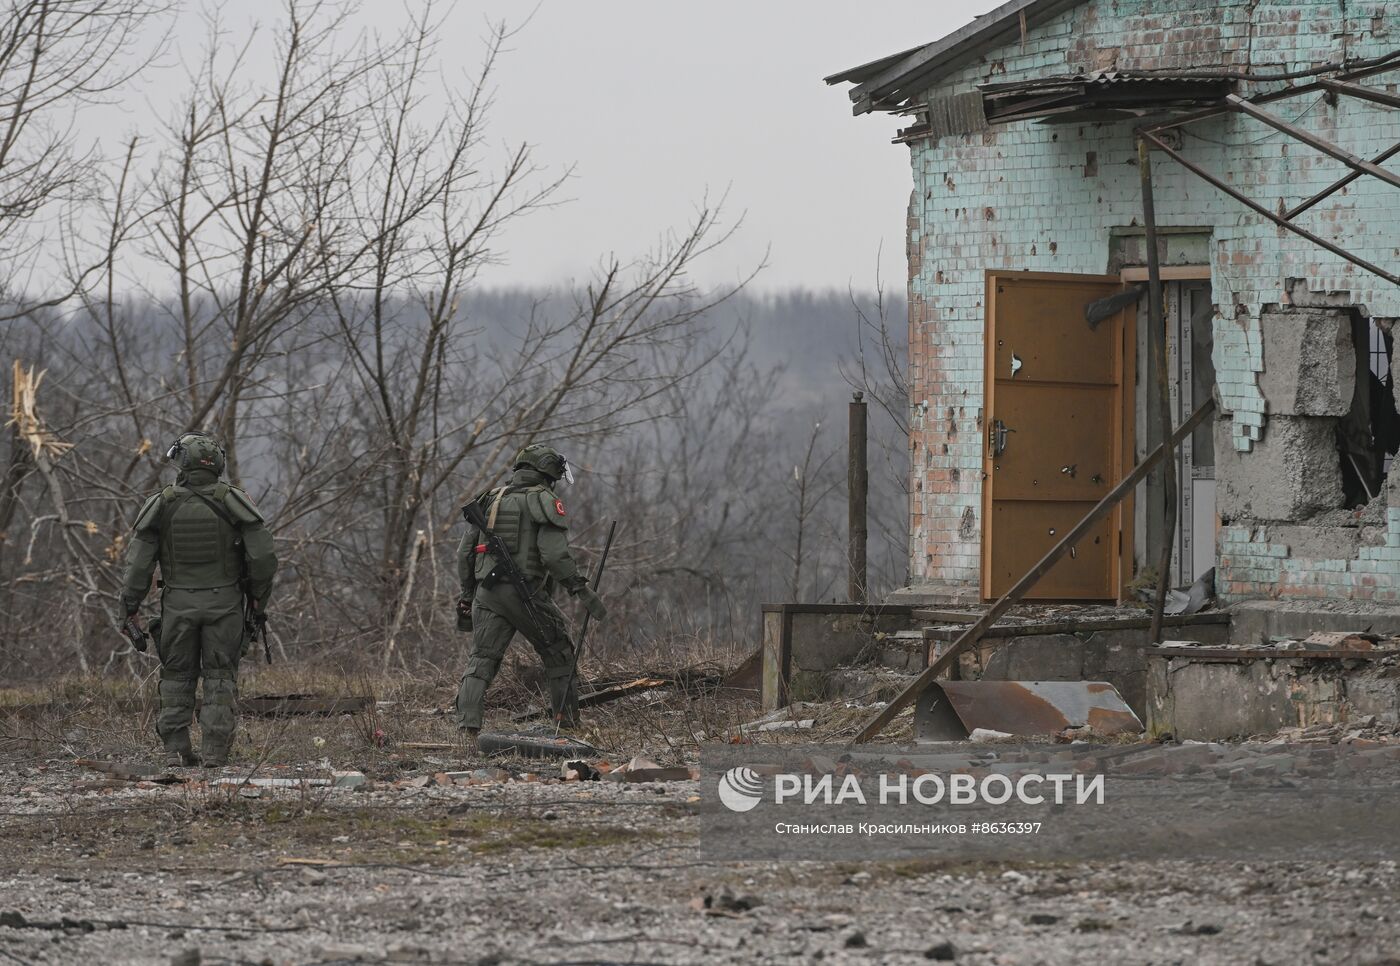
(1046,197)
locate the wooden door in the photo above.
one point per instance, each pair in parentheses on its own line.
(1058,433)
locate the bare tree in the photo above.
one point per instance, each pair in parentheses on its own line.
(56,58)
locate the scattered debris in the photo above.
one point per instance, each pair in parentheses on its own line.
(988,734)
(725,903)
(281,705)
(645,770)
(533,744)
(275,782)
(603,695)
(578,770)
(942,951)
(133,773)
(1341,641)
(802,725)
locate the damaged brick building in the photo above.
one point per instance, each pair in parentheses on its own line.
(1029,371)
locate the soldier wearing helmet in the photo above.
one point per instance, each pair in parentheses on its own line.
(534,524)
(216,559)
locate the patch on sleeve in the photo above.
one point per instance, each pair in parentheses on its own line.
(559,507)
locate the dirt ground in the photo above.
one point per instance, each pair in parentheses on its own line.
(97,869)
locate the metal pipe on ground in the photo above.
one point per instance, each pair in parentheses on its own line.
(974,633)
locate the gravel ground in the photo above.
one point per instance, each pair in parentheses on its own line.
(96,871)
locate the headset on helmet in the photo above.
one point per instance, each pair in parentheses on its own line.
(197,451)
(547,460)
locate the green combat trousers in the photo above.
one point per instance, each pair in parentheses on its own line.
(497,614)
(201,635)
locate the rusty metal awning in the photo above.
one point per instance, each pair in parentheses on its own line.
(952,710)
(1103,95)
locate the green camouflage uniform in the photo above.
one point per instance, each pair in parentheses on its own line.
(534,524)
(213,551)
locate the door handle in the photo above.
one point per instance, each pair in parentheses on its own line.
(996,437)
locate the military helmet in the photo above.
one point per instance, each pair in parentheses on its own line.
(546,459)
(197,451)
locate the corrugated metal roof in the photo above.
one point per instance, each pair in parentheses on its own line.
(887,83)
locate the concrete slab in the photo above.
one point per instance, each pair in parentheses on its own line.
(1309,361)
(1292,473)
(1260,621)
(1211,700)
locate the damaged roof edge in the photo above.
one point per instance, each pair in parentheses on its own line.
(879,79)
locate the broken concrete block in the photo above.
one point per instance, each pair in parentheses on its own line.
(578,771)
(987,734)
(1293,472)
(348,779)
(1309,361)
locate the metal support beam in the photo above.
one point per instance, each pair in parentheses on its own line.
(1337,185)
(1365,93)
(1259,209)
(857,491)
(1313,141)
(1076,533)
(1157,357)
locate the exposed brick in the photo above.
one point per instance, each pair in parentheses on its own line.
(1046,197)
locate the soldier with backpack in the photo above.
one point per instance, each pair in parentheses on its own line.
(533,526)
(216,563)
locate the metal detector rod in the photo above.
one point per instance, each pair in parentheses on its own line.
(583,631)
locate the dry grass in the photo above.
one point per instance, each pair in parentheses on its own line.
(92,717)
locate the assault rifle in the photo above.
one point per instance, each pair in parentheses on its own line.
(255,628)
(505,567)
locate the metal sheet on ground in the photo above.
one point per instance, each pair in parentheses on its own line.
(951,710)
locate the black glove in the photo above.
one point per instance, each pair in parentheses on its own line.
(134,632)
(464,614)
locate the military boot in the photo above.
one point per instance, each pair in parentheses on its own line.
(178,758)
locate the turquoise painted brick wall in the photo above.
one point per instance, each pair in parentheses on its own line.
(1256,564)
(1028,196)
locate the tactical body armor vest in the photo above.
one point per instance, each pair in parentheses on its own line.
(201,546)
(512,515)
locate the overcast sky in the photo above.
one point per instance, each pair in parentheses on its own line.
(658,104)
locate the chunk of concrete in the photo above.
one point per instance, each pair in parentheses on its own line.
(1292,473)
(1309,361)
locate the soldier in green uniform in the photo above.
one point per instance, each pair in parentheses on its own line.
(531,519)
(216,559)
